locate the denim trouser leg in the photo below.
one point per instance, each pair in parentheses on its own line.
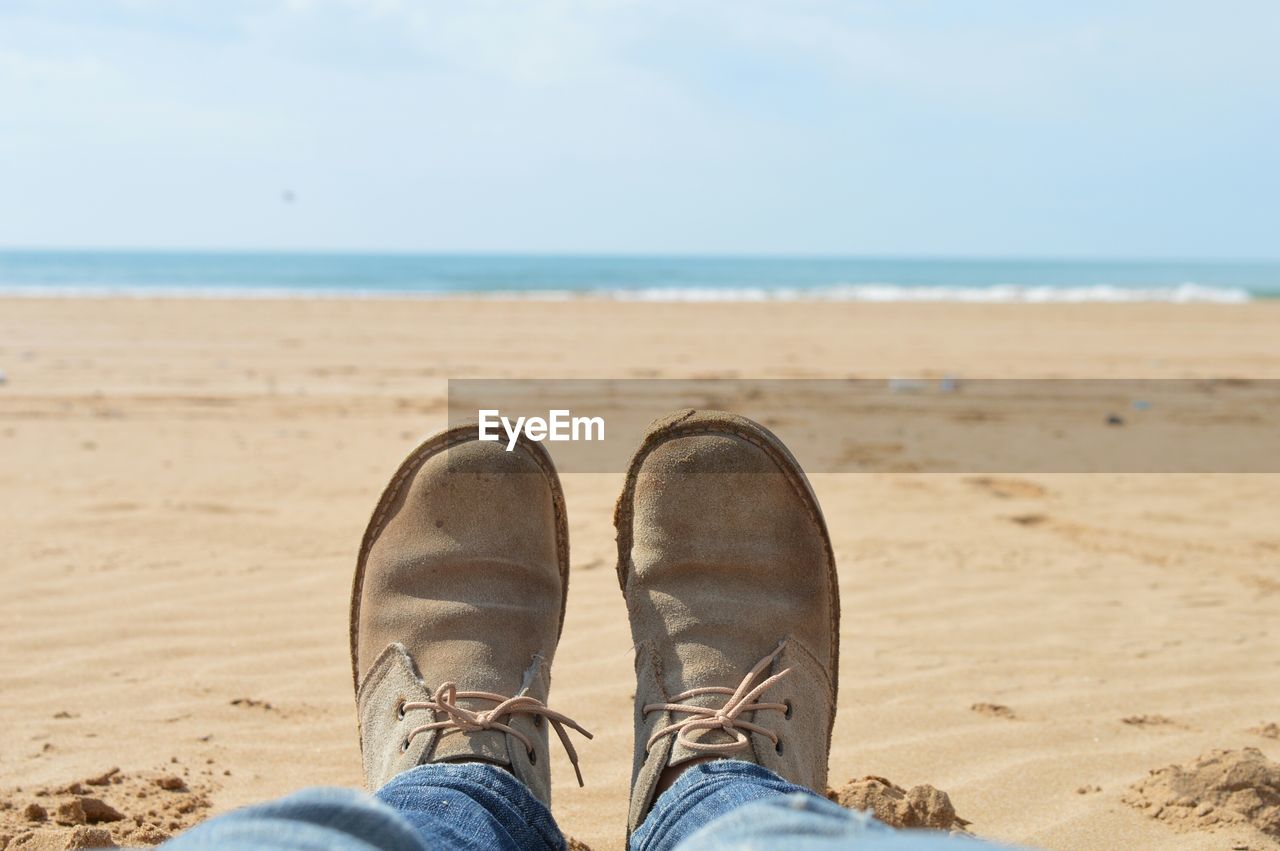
(729,804)
(465,806)
(472,805)
(714,806)
(314,819)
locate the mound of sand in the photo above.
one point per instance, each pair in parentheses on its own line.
(109,809)
(1269,730)
(1220,789)
(919,806)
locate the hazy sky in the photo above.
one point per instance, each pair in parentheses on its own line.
(1081,128)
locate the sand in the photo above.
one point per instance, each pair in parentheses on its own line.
(1238,788)
(184,485)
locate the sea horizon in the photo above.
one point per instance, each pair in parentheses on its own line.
(676,277)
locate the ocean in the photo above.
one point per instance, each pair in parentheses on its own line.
(231,274)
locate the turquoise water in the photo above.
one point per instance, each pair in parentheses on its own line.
(875,279)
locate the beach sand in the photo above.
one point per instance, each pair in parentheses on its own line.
(184,486)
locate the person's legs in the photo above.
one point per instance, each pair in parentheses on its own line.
(730,582)
(703,794)
(465,806)
(472,805)
(337,819)
(804,822)
(730,804)
(456,611)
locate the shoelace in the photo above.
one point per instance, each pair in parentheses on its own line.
(460,718)
(741,700)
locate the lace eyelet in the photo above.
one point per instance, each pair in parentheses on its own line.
(404,746)
(777,748)
(787,714)
(400,709)
(533,757)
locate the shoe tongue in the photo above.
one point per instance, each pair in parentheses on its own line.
(459,746)
(681,753)
(699,666)
(455,745)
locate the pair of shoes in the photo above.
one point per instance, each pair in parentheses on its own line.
(730,585)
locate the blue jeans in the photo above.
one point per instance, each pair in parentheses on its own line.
(724,804)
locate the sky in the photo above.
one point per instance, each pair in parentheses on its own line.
(896,127)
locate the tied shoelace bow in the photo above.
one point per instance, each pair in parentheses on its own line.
(469,721)
(727,718)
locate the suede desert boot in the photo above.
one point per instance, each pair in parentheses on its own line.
(730,583)
(456,610)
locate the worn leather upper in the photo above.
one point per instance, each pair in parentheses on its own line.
(723,555)
(462,578)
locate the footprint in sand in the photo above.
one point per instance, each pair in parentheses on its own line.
(994,710)
(114,507)
(1008,488)
(253,703)
(1150,721)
